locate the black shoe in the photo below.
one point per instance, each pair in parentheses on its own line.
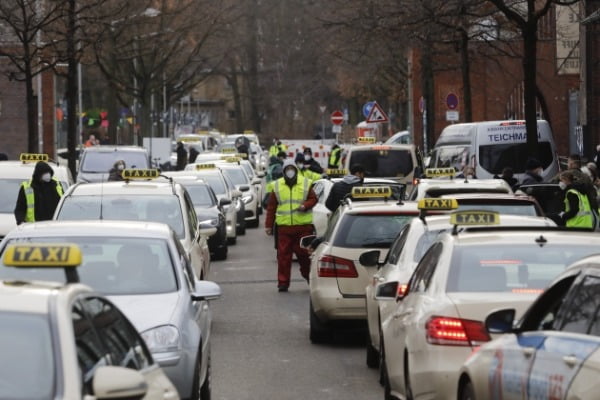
(282,288)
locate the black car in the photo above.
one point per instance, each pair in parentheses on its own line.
(209,210)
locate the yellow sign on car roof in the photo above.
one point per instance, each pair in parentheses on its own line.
(228,150)
(139,173)
(437,204)
(336,172)
(189,139)
(475,218)
(371,192)
(365,139)
(42,255)
(206,166)
(232,159)
(438,172)
(33,157)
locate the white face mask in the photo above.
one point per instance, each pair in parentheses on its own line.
(562,185)
(300,166)
(120,167)
(290,173)
(46,177)
(307,158)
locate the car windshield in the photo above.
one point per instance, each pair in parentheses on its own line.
(216,183)
(384,163)
(10,188)
(26,348)
(165,209)
(369,230)
(101,161)
(495,157)
(111,265)
(450,156)
(237,176)
(201,196)
(517,268)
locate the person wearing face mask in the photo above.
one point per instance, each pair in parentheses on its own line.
(310,163)
(289,208)
(303,168)
(577,212)
(39,196)
(116,172)
(533,171)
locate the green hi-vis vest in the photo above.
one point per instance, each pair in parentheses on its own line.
(334,158)
(584,218)
(310,175)
(289,199)
(30,198)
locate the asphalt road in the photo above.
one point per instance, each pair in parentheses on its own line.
(260,343)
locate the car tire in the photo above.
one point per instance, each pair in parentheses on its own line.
(196,387)
(254,223)
(221,252)
(206,388)
(372,354)
(231,241)
(319,332)
(407,384)
(467,392)
(387,388)
(241,230)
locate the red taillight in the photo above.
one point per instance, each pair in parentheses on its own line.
(336,267)
(455,332)
(402,289)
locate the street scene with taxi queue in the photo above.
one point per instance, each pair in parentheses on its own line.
(199,202)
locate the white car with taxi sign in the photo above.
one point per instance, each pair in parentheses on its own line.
(553,352)
(458,281)
(337,278)
(83,346)
(12,174)
(142,196)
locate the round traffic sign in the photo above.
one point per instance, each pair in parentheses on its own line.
(337,117)
(366,109)
(452,101)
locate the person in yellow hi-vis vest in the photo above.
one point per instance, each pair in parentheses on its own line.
(335,157)
(39,196)
(303,169)
(290,208)
(578,212)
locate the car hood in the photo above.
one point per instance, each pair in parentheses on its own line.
(147,311)
(7,223)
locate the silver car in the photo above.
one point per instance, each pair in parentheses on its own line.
(143,269)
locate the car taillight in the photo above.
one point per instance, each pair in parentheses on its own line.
(402,289)
(336,267)
(455,332)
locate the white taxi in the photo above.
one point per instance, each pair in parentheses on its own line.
(440,181)
(458,281)
(552,353)
(65,341)
(391,278)
(142,197)
(12,174)
(337,278)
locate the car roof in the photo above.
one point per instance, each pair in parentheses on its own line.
(21,170)
(28,297)
(93,227)
(149,187)
(447,186)
(380,146)
(516,235)
(356,207)
(109,148)
(442,221)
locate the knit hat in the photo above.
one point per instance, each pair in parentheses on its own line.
(299,158)
(533,163)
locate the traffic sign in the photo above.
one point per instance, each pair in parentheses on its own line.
(337,117)
(377,114)
(452,115)
(367,107)
(452,101)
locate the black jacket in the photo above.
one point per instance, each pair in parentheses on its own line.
(531,178)
(45,196)
(340,189)
(314,166)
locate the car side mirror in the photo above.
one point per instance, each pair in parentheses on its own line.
(260,174)
(256,181)
(244,188)
(206,229)
(386,291)
(305,241)
(224,202)
(370,258)
(206,290)
(112,382)
(501,321)
(236,193)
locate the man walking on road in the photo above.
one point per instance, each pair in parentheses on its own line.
(290,208)
(39,196)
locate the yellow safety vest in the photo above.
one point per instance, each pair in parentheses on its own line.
(332,156)
(30,198)
(288,201)
(584,218)
(275,149)
(308,174)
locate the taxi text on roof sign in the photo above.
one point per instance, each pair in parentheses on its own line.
(33,157)
(435,172)
(365,139)
(140,173)
(205,166)
(336,172)
(189,139)
(366,192)
(437,204)
(475,218)
(228,150)
(42,255)
(232,159)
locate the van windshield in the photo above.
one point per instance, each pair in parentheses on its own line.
(450,156)
(384,163)
(494,157)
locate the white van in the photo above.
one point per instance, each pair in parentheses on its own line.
(490,146)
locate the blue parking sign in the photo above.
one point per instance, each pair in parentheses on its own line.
(366,110)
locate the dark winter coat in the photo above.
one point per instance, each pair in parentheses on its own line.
(45,195)
(340,189)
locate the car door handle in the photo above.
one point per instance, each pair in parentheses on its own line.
(528,351)
(406,312)
(571,361)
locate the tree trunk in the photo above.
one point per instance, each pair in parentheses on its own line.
(252,51)
(427,88)
(529,92)
(31,110)
(71,89)
(466,74)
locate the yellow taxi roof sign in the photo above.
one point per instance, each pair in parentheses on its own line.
(228,150)
(365,139)
(336,172)
(189,139)
(437,204)
(32,255)
(206,166)
(371,192)
(232,159)
(438,172)
(475,218)
(138,173)
(248,132)
(33,157)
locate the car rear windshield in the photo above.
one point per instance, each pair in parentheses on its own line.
(100,161)
(456,156)
(216,183)
(201,196)
(384,163)
(10,188)
(237,176)
(369,230)
(111,265)
(165,209)
(27,370)
(517,268)
(495,157)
